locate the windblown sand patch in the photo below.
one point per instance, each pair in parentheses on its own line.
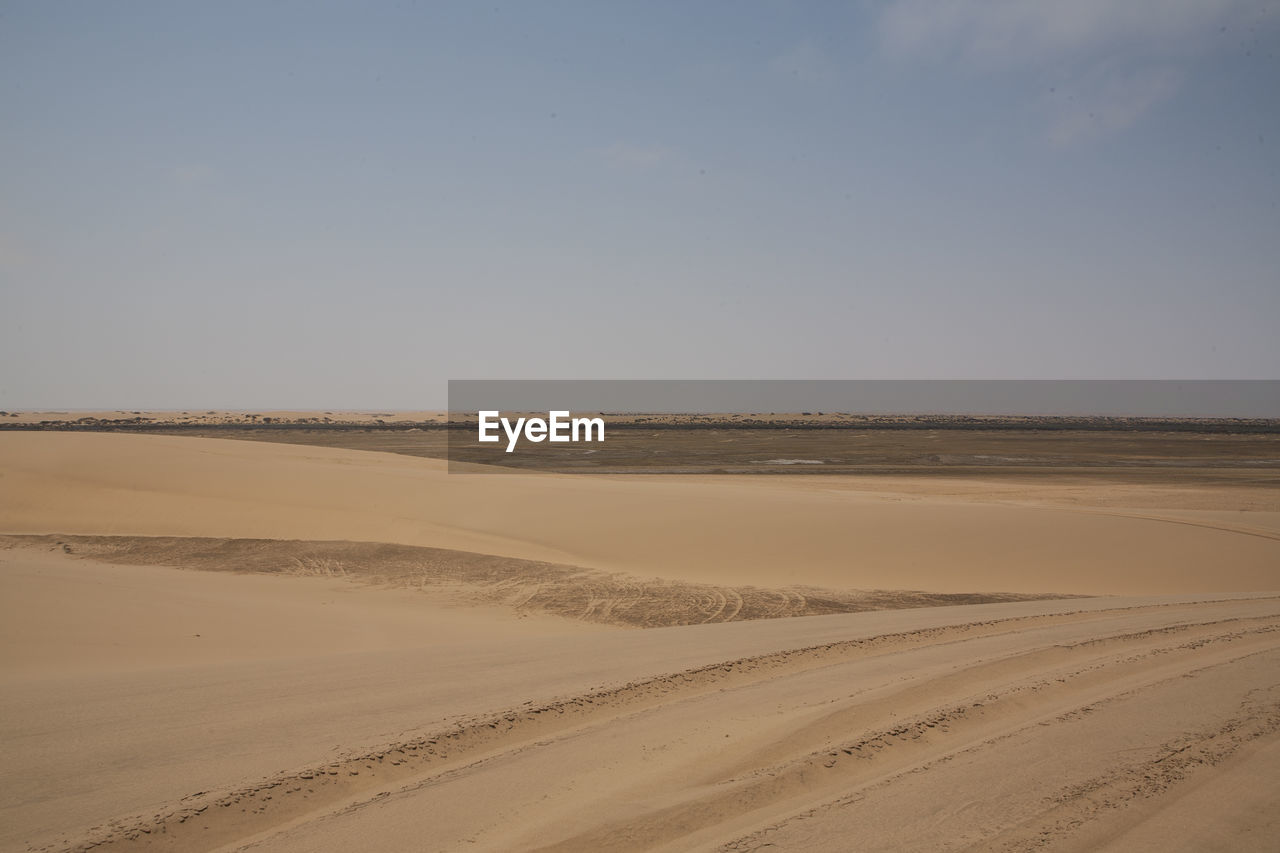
(526,586)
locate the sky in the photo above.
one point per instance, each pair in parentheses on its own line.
(319,205)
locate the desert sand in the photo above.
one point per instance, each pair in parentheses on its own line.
(772,531)
(202,692)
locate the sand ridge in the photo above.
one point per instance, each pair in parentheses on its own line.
(525,586)
(766,531)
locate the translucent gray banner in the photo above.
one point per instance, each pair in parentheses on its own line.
(1059,397)
(823,426)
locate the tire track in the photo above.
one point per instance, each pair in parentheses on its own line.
(921,739)
(1239,529)
(362,781)
(1063,814)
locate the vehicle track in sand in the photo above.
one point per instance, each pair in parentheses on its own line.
(774,749)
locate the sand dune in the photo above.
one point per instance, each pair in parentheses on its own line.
(480,692)
(502,734)
(769,531)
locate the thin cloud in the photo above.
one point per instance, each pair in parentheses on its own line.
(1109,104)
(1118,60)
(1020,32)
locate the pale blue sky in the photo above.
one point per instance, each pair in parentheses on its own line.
(343,205)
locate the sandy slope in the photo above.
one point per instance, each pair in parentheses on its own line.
(328,718)
(145,707)
(761,530)
(1026,734)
